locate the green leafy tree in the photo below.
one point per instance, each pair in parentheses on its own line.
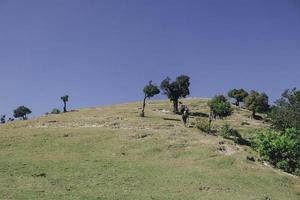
(2,119)
(257,102)
(282,149)
(22,112)
(150,90)
(219,107)
(176,89)
(238,94)
(65,99)
(286,111)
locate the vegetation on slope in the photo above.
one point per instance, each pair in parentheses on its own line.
(111,153)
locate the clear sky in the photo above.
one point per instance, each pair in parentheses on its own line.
(103,52)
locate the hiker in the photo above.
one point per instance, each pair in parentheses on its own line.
(185,114)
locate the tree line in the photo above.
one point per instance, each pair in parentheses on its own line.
(279,145)
(22,112)
(220,106)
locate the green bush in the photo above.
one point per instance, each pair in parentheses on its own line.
(229,133)
(282,149)
(202,124)
(220,106)
(55,111)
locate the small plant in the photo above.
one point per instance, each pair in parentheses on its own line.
(202,124)
(55,111)
(232,134)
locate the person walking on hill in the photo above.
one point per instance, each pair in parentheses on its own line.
(185,114)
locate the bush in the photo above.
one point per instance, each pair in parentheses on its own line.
(232,134)
(282,149)
(55,111)
(220,107)
(202,124)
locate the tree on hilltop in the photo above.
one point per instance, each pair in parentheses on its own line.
(22,112)
(257,102)
(65,99)
(238,94)
(150,90)
(176,89)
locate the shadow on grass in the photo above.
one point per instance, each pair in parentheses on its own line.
(171,119)
(198,114)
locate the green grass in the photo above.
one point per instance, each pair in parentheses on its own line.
(111,153)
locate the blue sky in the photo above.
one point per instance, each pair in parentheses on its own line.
(103,52)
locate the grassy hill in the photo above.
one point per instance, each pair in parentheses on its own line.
(111,153)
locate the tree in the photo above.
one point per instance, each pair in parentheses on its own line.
(286,111)
(2,119)
(176,89)
(257,102)
(219,107)
(22,112)
(65,99)
(150,90)
(238,94)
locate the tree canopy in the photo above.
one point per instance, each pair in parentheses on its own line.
(238,94)
(220,106)
(286,111)
(257,102)
(176,89)
(150,90)
(22,112)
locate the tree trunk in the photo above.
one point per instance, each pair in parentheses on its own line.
(143,109)
(65,106)
(209,122)
(253,114)
(175,106)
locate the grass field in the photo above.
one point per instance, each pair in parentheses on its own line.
(111,153)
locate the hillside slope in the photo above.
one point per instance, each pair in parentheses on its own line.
(111,153)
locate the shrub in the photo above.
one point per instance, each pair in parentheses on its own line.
(55,111)
(220,107)
(202,124)
(282,149)
(232,134)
